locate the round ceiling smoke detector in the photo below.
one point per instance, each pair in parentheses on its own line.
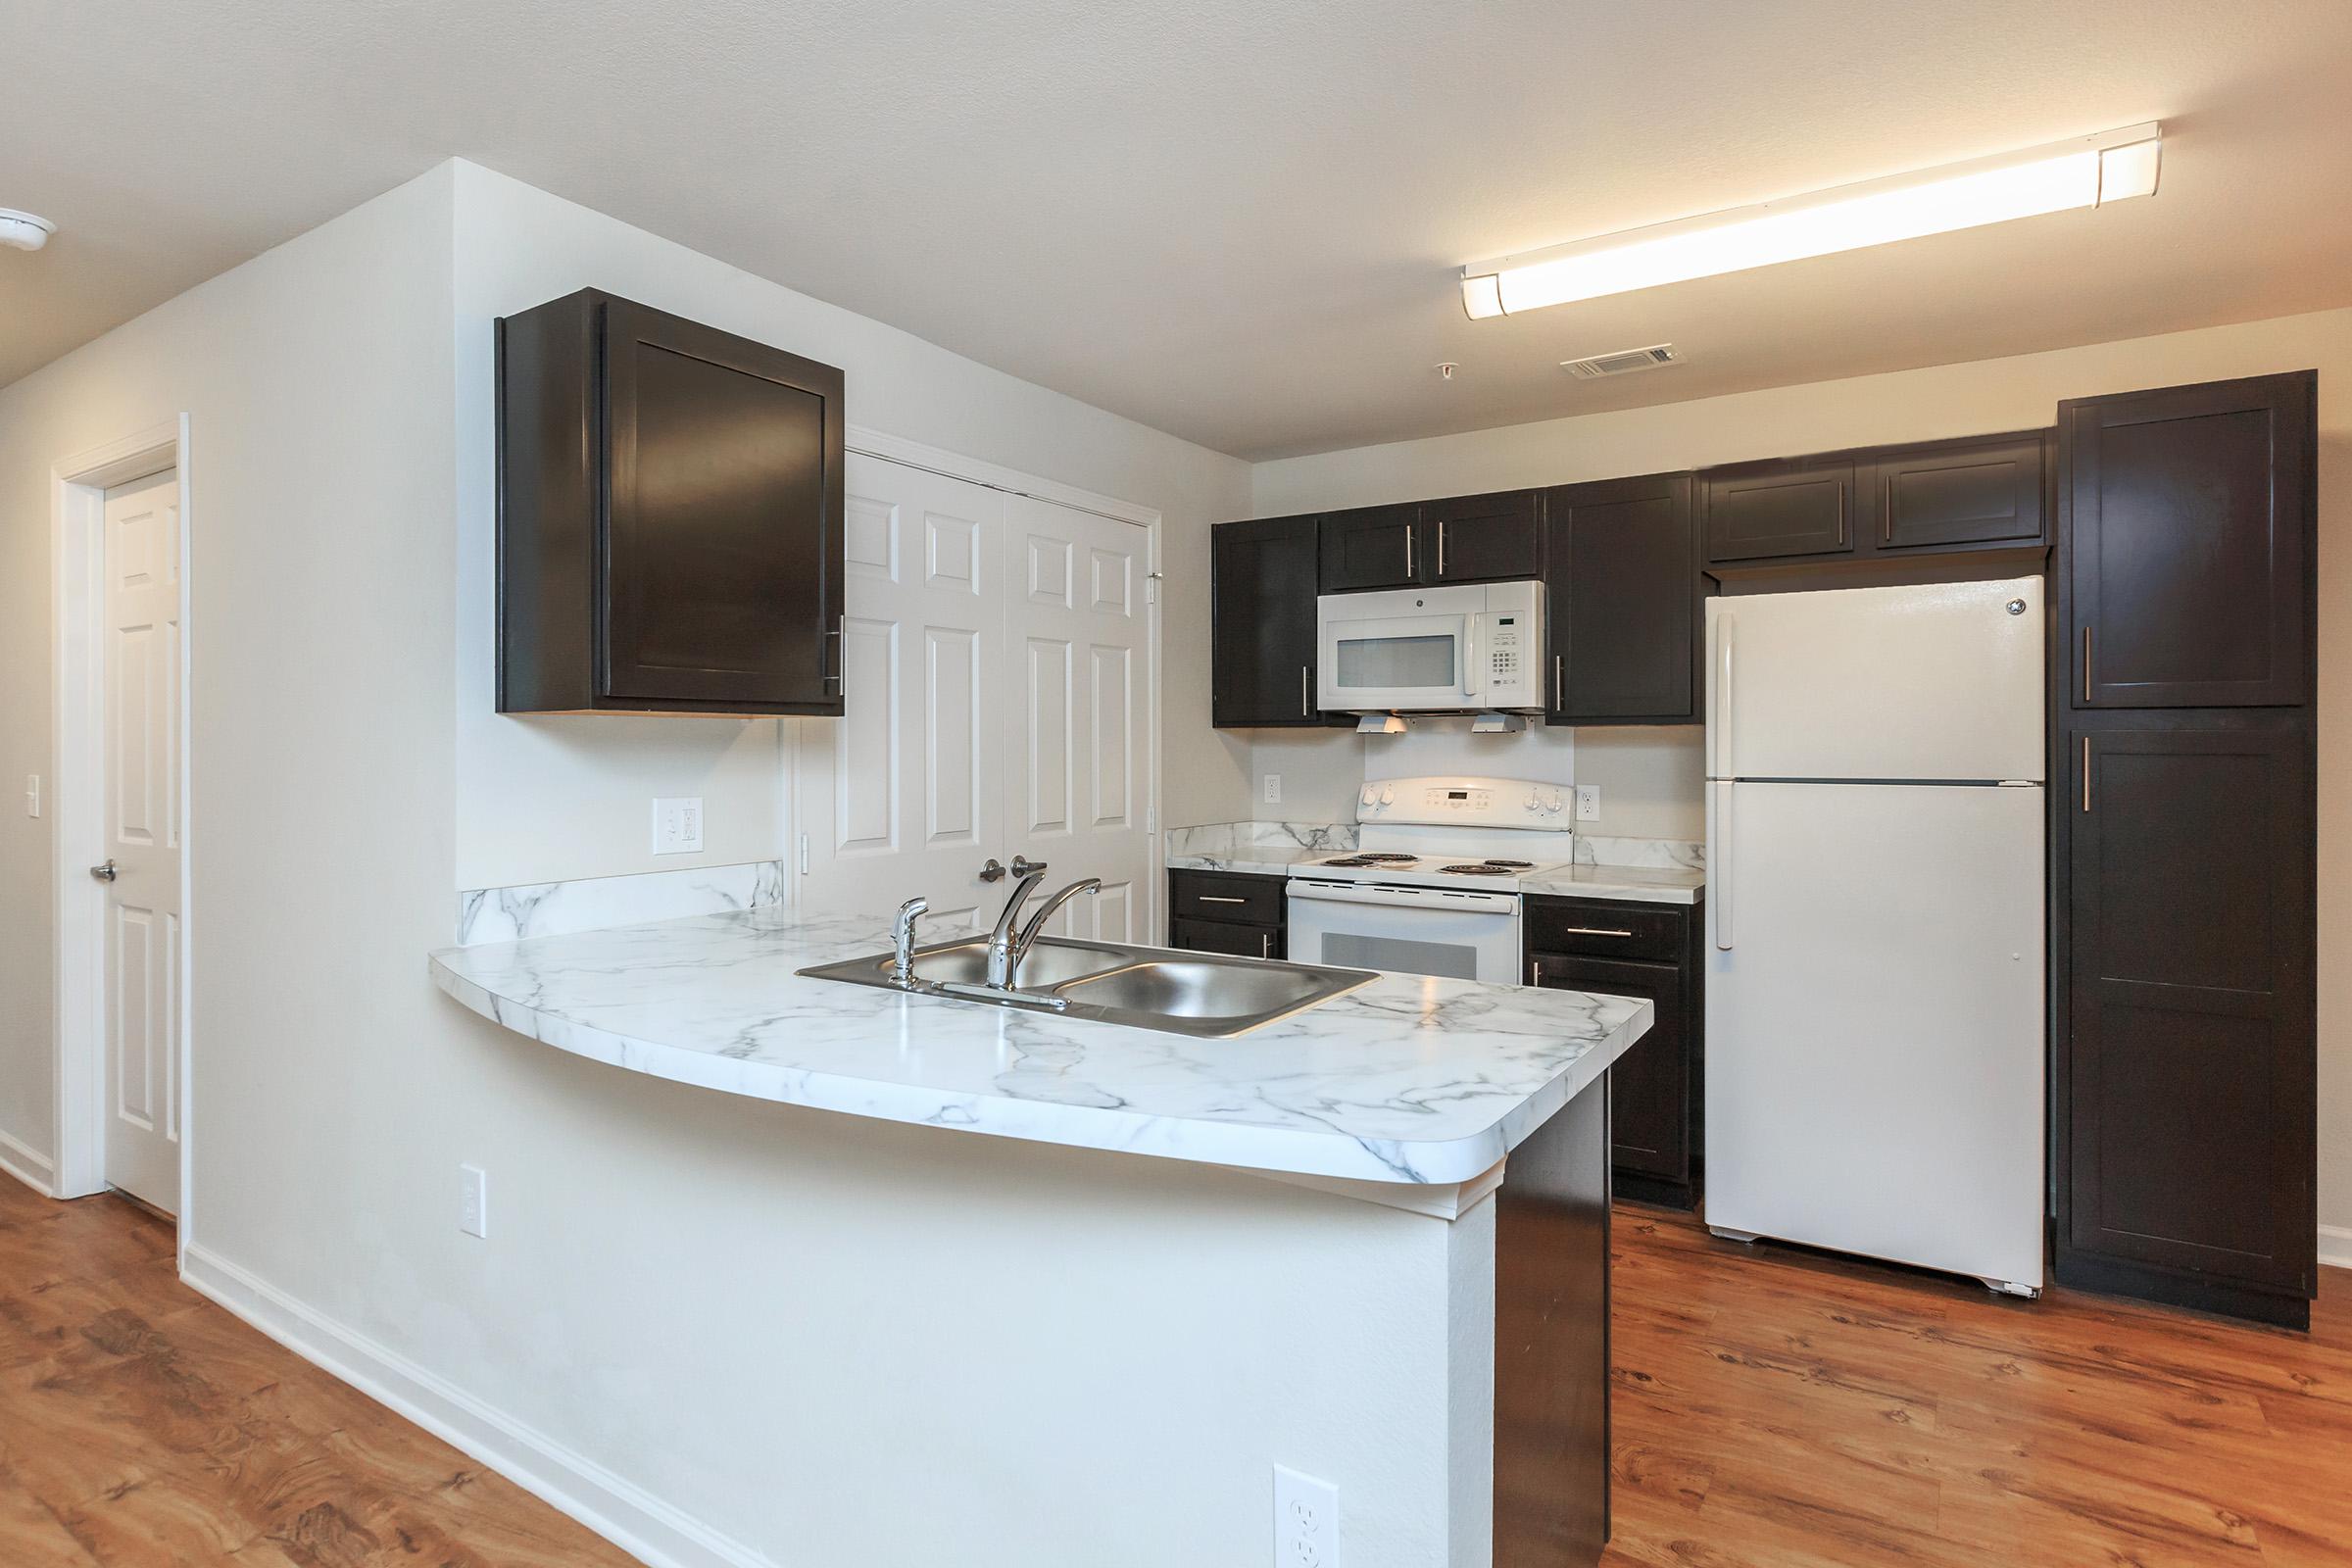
(22,231)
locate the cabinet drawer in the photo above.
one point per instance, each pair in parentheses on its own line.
(1233,898)
(1599,930)
(1215,935)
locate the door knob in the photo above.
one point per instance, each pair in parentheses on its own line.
(106,872)
(993,871)
(1022,865)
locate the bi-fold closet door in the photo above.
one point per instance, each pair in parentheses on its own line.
(995,656)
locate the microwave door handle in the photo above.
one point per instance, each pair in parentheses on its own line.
(1470,683)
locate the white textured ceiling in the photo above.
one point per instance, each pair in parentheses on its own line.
(1234,220)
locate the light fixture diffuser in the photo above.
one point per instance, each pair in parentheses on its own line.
(2087,171)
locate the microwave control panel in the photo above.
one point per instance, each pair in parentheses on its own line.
(1513,672)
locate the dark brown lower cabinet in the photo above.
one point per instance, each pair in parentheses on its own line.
(2188,1067)
(1237,912)
(1655,1089)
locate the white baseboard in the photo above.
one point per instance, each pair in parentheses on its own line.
(617,1510)
(34,1170)
(2335,1246)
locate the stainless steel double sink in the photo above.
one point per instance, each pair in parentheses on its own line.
(1199,994)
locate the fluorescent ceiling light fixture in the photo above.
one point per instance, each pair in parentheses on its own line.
(2088,171)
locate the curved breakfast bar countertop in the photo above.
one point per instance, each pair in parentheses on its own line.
(1410,1079)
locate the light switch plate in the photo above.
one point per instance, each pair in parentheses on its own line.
(679,825)
(1587,803)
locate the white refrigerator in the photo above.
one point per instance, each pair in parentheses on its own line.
(1875,924)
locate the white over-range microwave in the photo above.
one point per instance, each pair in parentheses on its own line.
(1476,649)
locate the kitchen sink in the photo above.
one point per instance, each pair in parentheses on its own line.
(1205,995)
(1049,962)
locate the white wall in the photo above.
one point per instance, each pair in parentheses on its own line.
(546,799)
(680,1292)
(1650,778)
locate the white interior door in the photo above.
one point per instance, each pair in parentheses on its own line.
(905,794)
(996,655)
(140,794)
(1077,725)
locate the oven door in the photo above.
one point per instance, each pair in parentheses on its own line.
(1443,931)
(1388,664)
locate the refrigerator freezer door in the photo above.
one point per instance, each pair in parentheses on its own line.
(1874,1057)
(1936,682)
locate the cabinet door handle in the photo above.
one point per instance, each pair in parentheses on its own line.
(1305,712)
(1887,509)
(1441,548)
(1591,931)
(1219,898)
(2087,773)
(1559,686)
(1535,971)
(1265,944)
(1409,550)
(841,663)
(2087,664)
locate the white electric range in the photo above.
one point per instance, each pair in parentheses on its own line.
(1434,886)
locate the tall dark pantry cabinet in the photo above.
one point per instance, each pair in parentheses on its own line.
(2184,847)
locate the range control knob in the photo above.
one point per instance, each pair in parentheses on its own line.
(1554,802)
(1388,796)
(1369,795)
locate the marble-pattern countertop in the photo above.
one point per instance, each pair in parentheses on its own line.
(1643,884)
(1410,1079)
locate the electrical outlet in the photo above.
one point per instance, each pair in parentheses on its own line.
(1306,1521)
(33,795)
(1273,788)
(474,1201)
(1587,803)
(679,825)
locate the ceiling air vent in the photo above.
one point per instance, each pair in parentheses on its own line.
(1623,363)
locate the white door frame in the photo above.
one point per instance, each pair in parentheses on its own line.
(996,477)
(77,507)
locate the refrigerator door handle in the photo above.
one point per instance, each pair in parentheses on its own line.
(1721,716)
(1719,866)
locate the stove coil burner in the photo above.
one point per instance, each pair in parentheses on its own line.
(1510,865)
(1481,868)
(1390,857)
(1356,861)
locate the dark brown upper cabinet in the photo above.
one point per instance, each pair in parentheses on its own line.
(1626,602)
(670,517)
(1372,547)
(1262,622)
(1481,538)
(1788,507)
(2189,1072)
(1948,495)
(2188,515)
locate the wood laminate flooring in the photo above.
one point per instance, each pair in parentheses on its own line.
(1772,1408)
(1780,1408)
